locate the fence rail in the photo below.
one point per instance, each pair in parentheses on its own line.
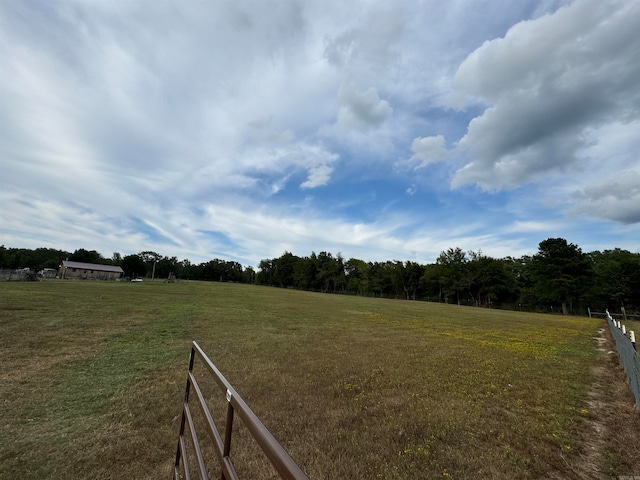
(623,314)
(627,350)
(20,274)
(279,458)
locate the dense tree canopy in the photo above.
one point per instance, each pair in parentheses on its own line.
(616,278)
(86,256)
(37,259)
(561,273)
(559,277)
(133,266)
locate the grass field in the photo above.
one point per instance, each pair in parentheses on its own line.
(93,376)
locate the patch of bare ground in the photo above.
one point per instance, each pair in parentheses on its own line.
(610,433)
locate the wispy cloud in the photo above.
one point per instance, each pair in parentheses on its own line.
(379,130)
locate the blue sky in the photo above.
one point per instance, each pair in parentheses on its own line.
(380,130)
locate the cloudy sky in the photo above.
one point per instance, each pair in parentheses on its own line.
(241,129)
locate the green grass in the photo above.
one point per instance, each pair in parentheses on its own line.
(93,376)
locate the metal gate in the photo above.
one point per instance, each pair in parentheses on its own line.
(277,456)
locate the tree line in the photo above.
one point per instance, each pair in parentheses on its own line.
(560,277)
(143,264)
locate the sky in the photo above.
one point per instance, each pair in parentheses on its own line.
(244,129)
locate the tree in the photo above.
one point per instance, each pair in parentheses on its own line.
(339,279)
(116,259)
(284,270)
(561,272)
(34,259)
(212,270)
(495,284)
(453,263)
(234,272)
(165,266)
(305,272)
(405,278)
(86,256)
(414,272)
(249,275)
(134,266)
(380,279)
(431,282)
(265,272)
(616,279)
(330,272)
(355,276)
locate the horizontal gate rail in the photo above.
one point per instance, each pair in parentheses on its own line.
(277,456)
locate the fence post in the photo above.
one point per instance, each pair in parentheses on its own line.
(589,312)
(227,429)
(632,337)
(624,313)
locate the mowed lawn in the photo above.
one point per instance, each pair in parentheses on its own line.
(93,377)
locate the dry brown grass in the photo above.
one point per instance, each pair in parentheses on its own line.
(610,434)
(93,376)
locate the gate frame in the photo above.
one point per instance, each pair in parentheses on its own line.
(277,456)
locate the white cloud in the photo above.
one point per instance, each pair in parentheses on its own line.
(368,45)
(318,176)
(617,197)
(428,150)
(547,82)
(157,124)
(361,109)
(535,226)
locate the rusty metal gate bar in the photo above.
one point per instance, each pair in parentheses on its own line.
(279,458)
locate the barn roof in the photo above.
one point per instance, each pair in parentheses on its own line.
(92,266)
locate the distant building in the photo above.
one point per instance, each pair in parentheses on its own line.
(89,271)
(48,273)
(19,274)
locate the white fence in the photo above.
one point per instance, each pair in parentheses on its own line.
(623,314)
(626,346)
